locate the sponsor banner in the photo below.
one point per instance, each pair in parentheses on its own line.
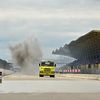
(60,71)
(66,70)
(76,71)
(79,70)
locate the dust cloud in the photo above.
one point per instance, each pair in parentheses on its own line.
(27,55)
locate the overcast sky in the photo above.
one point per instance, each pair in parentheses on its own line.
(53,22)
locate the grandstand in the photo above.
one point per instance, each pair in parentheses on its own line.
(86,49)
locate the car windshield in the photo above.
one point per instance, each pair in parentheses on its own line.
(47,63)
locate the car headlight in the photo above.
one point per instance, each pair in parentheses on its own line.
(53,72)
(41,71)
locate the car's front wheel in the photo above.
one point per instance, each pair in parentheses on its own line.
(52,75)
(41,75)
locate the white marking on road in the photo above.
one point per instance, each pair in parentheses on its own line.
(41,86)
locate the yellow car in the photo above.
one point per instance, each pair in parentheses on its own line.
(47,67)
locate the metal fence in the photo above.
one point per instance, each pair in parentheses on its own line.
(90,71)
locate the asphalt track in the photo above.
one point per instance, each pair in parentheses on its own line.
(19,87)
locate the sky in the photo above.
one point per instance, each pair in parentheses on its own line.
(53,22)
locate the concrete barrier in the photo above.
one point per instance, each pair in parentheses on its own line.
(6,72)
(82,76)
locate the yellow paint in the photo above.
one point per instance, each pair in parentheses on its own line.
(75,67)
(83,66)
(68,68)
(94,66)
(47,67)
(96,31)
(98,66)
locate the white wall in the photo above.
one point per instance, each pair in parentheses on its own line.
(5,72)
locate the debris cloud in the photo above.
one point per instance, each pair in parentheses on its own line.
(27,55)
